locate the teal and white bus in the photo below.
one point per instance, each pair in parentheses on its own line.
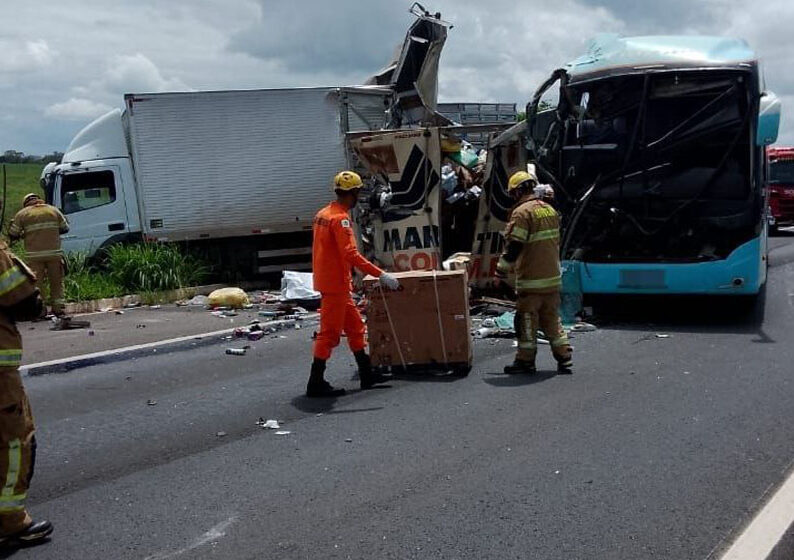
(655,147)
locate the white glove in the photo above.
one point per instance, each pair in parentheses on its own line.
(388,281)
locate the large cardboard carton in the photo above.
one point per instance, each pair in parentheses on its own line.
(425,323)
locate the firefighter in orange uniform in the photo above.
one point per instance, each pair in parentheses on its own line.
(41,226)
(19,301)
(334,254)
(532,250)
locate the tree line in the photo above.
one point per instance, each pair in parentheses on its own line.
(13,156)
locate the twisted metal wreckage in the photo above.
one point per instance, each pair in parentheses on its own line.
(654,147)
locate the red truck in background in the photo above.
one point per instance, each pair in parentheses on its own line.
(781,186)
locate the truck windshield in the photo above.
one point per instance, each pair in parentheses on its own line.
(782,172)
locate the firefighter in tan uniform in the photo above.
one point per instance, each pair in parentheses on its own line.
(19,301)
(40,226)
(532,250)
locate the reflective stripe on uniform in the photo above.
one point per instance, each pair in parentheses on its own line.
(44,254)
(11,279)
(518,233)
(10,358)
(561,341)
(544,234)
(13,503)
(539,283)
(527,345)
(42,226)
(8,499)
(503,265)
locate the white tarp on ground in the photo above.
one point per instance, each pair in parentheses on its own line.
(298,285)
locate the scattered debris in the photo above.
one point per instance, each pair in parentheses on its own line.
(661,335)
(268,424)
(67,323)
(151,402)
(298,286)
(235,351)
(155,306)
(221,434)
(283,433)
(119,312)
(234,298)
(348,440)
(198,300)
(583,327)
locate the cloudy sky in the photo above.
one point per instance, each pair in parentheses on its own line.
(64,62)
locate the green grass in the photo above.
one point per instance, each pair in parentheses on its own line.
(145,268)
(21,179)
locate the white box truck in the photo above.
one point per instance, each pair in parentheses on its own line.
(239,174)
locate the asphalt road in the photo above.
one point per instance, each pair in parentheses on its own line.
(654,448)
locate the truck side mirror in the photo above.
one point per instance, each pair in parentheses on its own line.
(768,119)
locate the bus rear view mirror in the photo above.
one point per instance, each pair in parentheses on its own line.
(768,119)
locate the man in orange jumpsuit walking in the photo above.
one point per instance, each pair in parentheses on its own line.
(334,255)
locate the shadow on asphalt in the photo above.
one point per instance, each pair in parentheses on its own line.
(517,380)
(326,406)
(707,314)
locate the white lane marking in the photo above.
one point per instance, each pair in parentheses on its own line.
(767,528)
(225,332)
(215,533)
(123,350)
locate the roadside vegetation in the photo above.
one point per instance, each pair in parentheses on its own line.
(143,268)
(21,178)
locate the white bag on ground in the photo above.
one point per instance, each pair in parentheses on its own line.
(298,285)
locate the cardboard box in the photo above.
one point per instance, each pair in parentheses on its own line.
(430,323)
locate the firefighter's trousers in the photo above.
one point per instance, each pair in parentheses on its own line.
(339,314)
(542,311)
(17,451)
(50,268)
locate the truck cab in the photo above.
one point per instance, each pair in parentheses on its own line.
(94,187)
(781,186)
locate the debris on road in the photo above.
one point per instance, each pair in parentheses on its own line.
(268,424)
(283,433)
(235,351)
(68,323)
(221,434)
(151,402)
(199,300)
(298,286)
(661,335)
(233,298)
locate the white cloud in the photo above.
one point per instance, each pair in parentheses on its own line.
(24,57)
(95,51)
(136,73)
(76,109)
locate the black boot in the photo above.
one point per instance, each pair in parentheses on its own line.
(365,373)
(520,366)
(565,367)
(318,387)
(35,533)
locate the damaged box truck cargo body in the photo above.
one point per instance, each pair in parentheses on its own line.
(656,151)
(240,173)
